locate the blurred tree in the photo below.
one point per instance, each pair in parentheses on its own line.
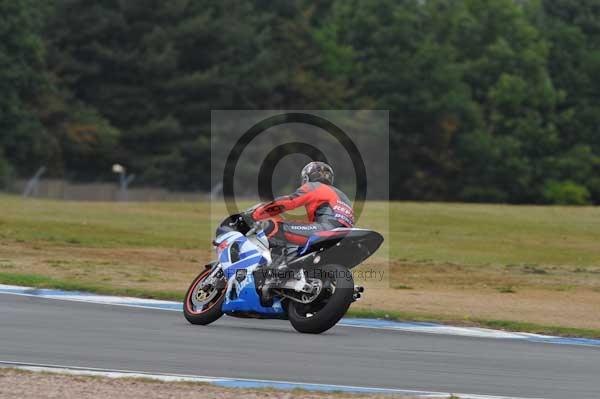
(573,29)
(489,101)
(83,142)
(505,62)
(22,136)
(156,69)
(6,172)
(395,61)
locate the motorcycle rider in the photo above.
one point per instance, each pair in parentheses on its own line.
(326,206)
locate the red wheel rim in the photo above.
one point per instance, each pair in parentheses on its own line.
(188,299)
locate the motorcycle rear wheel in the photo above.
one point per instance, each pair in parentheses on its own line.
(209,312)
(330,306)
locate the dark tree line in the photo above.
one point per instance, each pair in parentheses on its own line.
(490,100)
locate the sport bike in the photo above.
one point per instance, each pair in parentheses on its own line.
(310,285)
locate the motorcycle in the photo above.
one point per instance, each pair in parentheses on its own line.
(310,285)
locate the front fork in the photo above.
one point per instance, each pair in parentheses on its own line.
(215,276)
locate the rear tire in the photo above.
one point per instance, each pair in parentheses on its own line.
(211,312)
(328,310)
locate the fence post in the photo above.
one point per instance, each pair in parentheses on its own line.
(33,183)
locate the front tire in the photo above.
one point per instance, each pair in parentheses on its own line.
(207,313)
(330,306)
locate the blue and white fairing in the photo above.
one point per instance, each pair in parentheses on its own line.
(239,257)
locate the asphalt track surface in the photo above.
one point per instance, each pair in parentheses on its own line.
(36,330)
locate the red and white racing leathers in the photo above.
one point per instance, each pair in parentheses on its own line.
(326,207)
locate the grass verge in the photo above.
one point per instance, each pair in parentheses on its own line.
(38,281)
(507,325)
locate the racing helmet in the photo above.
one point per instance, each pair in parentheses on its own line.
(317,172)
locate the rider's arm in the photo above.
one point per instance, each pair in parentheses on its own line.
(282,204)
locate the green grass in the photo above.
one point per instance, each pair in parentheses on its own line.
(473,234)
(465,234)
(166,225)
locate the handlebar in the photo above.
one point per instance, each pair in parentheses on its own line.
(242,222)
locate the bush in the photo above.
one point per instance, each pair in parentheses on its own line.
(566,193)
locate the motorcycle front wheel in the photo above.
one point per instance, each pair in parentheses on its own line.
(202,305)
(330,305)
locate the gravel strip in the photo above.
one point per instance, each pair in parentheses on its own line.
(25,384)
